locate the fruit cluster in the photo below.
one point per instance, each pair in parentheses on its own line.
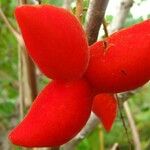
(84,78)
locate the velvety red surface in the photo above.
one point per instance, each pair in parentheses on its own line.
(55,40)
(57,115)
(105,107)
(121,62)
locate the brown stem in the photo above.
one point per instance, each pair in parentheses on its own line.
(11,29)
(55,148)
(115,147)
(123,121)
(21,87)
(22,2)
(101,138)
(94,19)
(105,28)
(40,1)
(135,135)
(29,70)
(79,10)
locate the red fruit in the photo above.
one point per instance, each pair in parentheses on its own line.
(121,62)
(105,107)
(57,115)
(55,40)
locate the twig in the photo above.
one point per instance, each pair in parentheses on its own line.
(79,9)
(11,29)
(91,124)
(121,14)
(55,148)
(22,2)
(123,121)
(105,28)
(126,95)
(29,69)
(39,1)
(94,18)
(115,147)
(101,137)
(28,79)
(67,4)
(36,2)
(136,138)
(21,87)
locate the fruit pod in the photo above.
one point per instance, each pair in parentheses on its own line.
(58,113)
(55,40)
(121,62)
(105,108)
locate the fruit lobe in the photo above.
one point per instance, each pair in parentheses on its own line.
(121,62)
(55,40)
(57,115)
(105,107)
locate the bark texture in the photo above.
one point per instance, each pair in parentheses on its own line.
(94,18)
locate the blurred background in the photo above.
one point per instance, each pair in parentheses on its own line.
(15,100)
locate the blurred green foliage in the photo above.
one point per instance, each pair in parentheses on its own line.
(54,2)
(140,103)
(8,65)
